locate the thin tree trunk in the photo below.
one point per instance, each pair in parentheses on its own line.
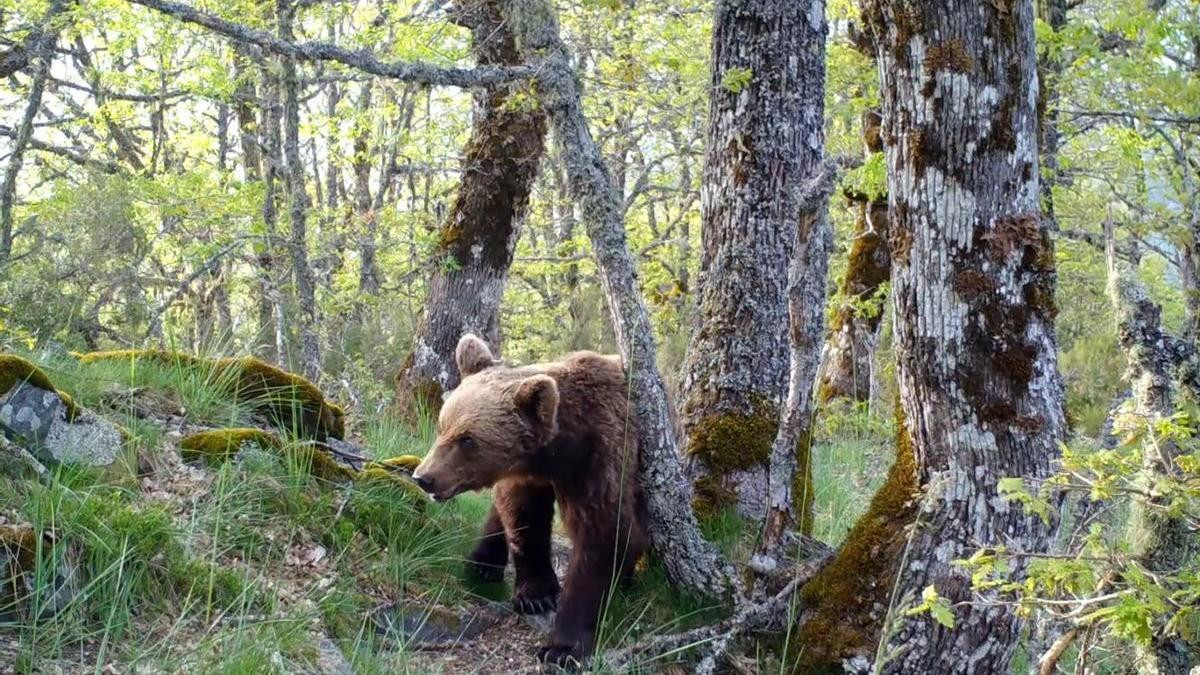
(765,134)
(973,291)
(273,165)
(369,279)
(310,348)
(1162,543)
(42,54)
(476,242)
(690,561)
(849,359)
(806,327)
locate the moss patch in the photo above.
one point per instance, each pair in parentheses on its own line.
(288,399)
(730,441)
(15,370)
(221,444)
(848,599)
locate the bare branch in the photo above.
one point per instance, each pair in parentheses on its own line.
(424,73)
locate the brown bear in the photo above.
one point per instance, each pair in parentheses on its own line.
(560,431)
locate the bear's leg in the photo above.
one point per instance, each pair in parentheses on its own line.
(527,510)
(589,576)
(490,556)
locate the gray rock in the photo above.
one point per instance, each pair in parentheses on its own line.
(38,418)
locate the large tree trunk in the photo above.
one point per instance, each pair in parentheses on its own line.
(475,246)
(974,285)
(690,561)
(306,300)
(849,361)
(765,135)
(973,288)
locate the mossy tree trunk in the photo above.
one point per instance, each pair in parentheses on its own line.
(849,361)
(690,561)
(973,287)
(765,136)
(476,242)
(1162,543)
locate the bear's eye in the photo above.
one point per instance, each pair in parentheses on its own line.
(467,443)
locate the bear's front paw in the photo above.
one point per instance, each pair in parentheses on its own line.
(569,657)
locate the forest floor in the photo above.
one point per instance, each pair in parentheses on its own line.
(255,565)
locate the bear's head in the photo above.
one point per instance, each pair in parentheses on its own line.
(490,426)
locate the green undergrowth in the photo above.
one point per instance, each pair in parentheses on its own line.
(207,579)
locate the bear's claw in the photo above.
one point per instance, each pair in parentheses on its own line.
(487,572)
(542,605)
(567,657)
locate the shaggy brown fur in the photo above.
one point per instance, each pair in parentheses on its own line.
(558,431)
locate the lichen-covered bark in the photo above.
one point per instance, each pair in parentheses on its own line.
(690,561)
(765,135)
(476,242)
(973,287)
(298,202)
(848,363)
(1162,543)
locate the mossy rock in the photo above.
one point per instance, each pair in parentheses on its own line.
(15,370)
(376,474)
(221,444)
(287,399)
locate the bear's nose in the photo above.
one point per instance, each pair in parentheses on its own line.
(423,483)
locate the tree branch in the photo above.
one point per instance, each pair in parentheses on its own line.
(482,76)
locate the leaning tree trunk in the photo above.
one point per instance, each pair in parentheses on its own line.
(690,561)
(765,135)
(475,245)
(973,291)
(849,360)
(1163,544)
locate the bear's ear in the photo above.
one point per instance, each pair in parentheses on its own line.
(472,355)
(537,401)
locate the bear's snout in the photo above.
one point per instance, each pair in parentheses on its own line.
(423,483)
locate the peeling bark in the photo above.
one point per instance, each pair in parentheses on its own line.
(973,291)
(690,561)
(807,274)
(476,242)
(764,138)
